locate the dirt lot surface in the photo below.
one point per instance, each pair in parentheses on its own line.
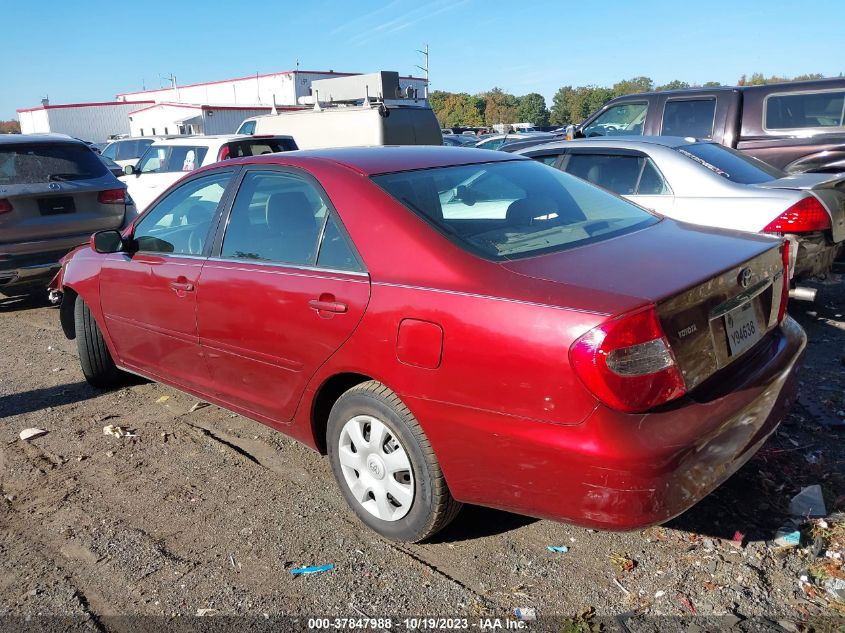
(204,512)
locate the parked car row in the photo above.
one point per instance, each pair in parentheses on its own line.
(424,315)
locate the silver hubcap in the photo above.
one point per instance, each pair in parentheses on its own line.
(376,468)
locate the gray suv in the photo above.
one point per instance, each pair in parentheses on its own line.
(54,193)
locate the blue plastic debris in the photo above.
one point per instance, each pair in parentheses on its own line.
(786,537)
(560,549)
(311,570)
(526,614)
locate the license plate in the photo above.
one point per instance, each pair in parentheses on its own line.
(57,205)
(741,328)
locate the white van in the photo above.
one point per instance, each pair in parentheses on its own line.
(351,126)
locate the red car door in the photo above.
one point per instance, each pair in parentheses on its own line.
(285,290)
(148,296)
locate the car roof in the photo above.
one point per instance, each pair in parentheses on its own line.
(8,139)
(623,142)
(370,161)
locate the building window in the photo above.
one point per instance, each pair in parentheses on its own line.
(165,131)
(154,131)
(142,131)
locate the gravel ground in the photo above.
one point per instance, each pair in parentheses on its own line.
(204,512)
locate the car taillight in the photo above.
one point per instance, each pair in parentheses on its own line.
(626,362)
(5,205)
(112,196)
(224,152)
(784,293)
(804,216)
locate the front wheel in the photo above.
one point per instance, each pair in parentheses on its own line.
(385,466)
(97,364)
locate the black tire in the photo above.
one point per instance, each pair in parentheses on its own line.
(97,364)
(433,506)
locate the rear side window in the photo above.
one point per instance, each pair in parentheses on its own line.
(807,110)
(546,159)
(730,163)
(46,162)
(689,117)
(276,217)
(623,174)
(625,119)
(161,159)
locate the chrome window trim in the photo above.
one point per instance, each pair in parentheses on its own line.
(293,267)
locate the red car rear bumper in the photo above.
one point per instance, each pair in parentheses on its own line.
(615,470)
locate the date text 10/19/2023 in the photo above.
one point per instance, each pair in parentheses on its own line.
(419,623)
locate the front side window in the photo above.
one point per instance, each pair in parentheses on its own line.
(807,110)
(180,222)
(546,159)
(508,210)
(623,174)
(27,164)
(110,151)
(160,159)
(730,163)
(625,119)
(689,117)
(247,127)
(276,217)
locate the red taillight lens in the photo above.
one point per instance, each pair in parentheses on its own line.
(112,196)
(224,152)
(804,216)
(626,362)
(784,293)
(5,205)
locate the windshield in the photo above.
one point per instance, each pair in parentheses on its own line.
(161,159)
(730,163)
(45,162)
(513,209)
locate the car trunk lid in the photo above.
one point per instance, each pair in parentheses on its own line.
(717,292)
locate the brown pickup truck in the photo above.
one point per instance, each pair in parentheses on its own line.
(795,126)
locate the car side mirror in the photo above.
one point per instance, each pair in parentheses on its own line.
(107,242)
(129,170)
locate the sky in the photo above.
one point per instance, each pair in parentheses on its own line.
(90,51)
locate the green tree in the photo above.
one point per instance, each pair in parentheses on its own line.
(561,115)
(500,107)
(712,84)
(632,86)
(675,84)
(461,110)
(10,127)
(532,109)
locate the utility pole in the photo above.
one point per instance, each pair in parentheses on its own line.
(424,68)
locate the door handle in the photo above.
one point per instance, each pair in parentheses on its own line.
(322,305)
(183,286)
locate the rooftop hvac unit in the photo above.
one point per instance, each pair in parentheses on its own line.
(372,86)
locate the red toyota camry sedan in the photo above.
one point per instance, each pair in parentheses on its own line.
(451,326)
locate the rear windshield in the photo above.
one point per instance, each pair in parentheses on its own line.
(730,163)
(45,162)
(260,146)
(161,159)
(513,209)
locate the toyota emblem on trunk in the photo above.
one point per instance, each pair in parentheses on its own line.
(54,186)
(744,277)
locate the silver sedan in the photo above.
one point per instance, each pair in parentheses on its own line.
(708,184)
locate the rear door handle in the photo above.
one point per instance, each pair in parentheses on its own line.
(328,306)
(183,286)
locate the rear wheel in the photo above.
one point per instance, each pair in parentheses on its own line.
(385,466)
(97,364)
